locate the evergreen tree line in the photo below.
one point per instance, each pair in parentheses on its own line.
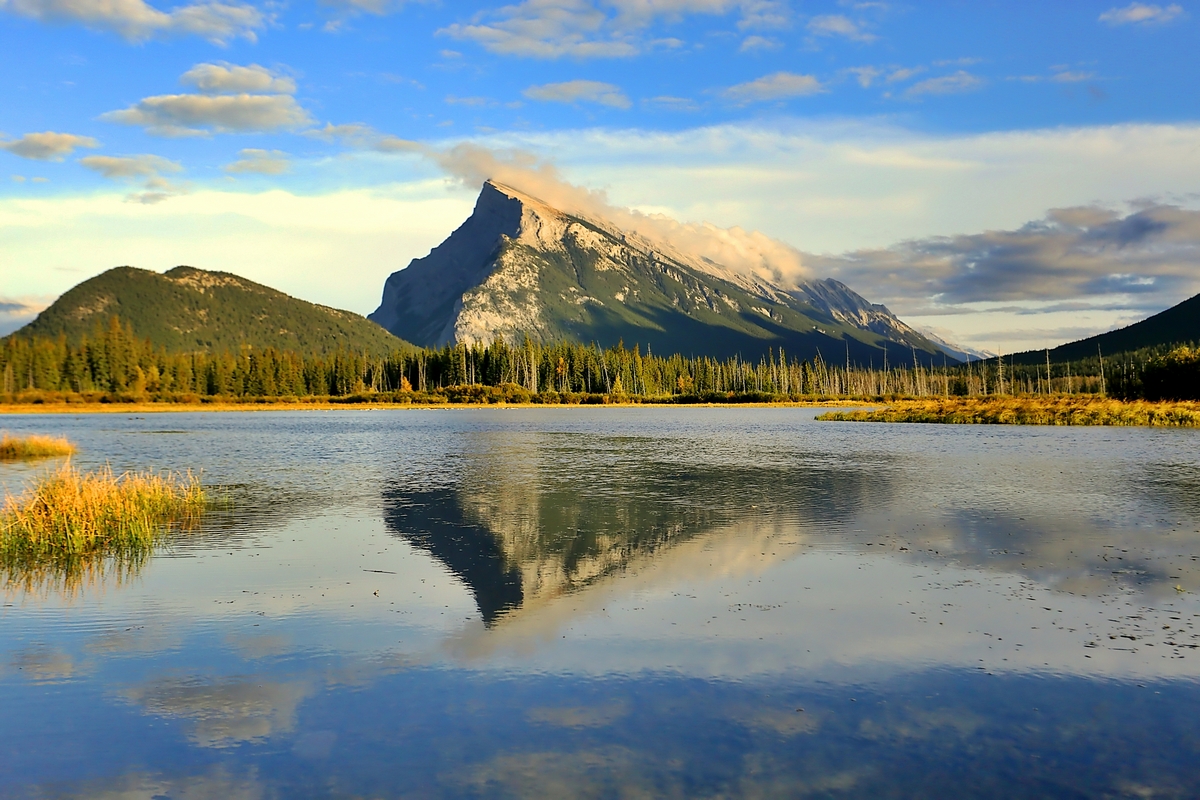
(114,364)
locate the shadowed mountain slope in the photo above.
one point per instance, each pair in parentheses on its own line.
(1177,324)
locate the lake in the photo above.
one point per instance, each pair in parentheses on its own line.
(620,602)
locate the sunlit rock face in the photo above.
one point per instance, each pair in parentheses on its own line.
(520,267)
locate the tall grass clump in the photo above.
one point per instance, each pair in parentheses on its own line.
(13,448)
(69,513)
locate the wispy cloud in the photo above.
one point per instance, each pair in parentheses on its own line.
(146,170)
(16,312)
(839,25)
(260,162)
(587,29)
(753,43)
(48,145)
(961,81)
(1142,14)
(134,20)
(777,86)
(579,91)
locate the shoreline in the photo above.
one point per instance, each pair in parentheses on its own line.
(14,409)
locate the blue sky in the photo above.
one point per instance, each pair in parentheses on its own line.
(900,147)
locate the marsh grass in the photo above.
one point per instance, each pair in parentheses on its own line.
(69,514)
(1003,410)
(13,448)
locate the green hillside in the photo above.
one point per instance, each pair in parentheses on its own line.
(188,309)
(1177,324)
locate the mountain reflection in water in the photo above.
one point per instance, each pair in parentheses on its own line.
(521,529)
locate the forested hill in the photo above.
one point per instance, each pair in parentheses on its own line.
(188,309)
(1178,324)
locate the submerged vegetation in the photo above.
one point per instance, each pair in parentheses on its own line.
(1030,410)
(69,513)
(13,448)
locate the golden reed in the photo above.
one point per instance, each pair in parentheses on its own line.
(13,448)
(1007,410)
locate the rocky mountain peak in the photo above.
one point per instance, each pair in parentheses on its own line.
(519,266)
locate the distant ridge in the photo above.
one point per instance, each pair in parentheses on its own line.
(517,266)
(1180,323)
(189,309)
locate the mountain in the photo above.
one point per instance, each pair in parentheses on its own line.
(189,309)
(957,351)
(1177,324)
(519,266)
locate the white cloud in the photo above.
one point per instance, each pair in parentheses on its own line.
(961,81)
(1071,76)
(583,28)
(146,170)
(136,21)
(752,43)
(261,162)
(198,115)
(901,74)
(777,86)
(1142,14)
(48,145)
(579,91)
(865,76)
(839,25)
(224,78)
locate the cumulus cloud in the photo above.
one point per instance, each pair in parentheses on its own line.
(225,78)
(839,25)
(199,115)
(579,91)
(48,145)
(584,28)
(777,86)
(1078,252)
(261,162)
(145,170)
(1142,14)
(961,81)
(136,21)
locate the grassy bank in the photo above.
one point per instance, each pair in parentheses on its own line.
(13,448)
(69,513)
(1038,410)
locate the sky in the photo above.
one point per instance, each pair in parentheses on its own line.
(1008,175)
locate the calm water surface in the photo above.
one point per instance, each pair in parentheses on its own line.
(620,602)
